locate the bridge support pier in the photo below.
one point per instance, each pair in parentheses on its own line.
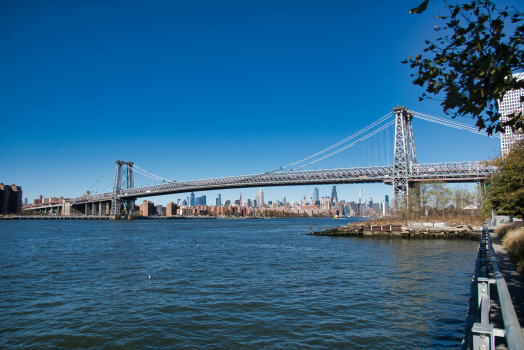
(405,156)
(123,180)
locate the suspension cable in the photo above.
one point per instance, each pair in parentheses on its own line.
(343,141)
(350,145)
(450,123)
(101,178)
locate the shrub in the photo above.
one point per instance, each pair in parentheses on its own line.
(503,230)
(514,243)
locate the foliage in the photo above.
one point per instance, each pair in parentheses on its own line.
(502,231)
(436,199)
(461,197)
(514,242)
(506,190)
(474,65)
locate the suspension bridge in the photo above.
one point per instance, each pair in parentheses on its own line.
(402,174)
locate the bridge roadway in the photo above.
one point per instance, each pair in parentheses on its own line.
(472,171)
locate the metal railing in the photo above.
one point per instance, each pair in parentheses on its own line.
(484,332)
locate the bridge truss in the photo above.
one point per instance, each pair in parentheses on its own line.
(404,172)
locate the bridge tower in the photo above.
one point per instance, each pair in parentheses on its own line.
(405,156)
(123,181)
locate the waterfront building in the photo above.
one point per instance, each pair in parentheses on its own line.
(171,209)
(510,104)
(147,208)
(10,199)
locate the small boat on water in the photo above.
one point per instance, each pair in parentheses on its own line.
(335,217)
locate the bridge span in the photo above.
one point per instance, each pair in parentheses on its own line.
(402,175)
(473,171)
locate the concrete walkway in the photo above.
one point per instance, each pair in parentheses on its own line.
(513,278)
(515,286)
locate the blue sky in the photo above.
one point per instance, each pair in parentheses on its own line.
(198,89)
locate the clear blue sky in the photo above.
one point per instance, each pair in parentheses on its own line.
(198,89)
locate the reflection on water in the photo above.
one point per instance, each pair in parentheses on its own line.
(227,284)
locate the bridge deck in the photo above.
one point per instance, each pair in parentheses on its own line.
(446,172)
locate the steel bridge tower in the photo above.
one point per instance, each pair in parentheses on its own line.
(123,181)
(405,156)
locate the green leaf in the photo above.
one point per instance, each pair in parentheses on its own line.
(421,8)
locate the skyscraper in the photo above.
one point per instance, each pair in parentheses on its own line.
(510,103)
(360,197)
(192,201)
(334,197)
(315,195)
(260,198)
(219,200)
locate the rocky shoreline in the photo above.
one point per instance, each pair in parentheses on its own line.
(399,231)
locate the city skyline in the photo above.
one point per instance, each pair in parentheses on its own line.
(204,90)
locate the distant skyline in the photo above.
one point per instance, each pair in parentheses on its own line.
(202,89)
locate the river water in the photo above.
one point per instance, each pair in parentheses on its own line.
(227,284)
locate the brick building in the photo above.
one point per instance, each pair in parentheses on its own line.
(147,208)
(171,209)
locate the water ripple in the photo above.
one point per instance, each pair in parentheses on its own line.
(226,284)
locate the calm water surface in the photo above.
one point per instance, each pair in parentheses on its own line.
(226,284)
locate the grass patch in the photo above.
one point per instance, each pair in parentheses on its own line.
(503,231)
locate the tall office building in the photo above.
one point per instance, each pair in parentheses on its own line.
(334,197)
(386,199)
(260,198)
(192,202)
(385,208)
(360,197)
(510,103)
(315,195)
(219,200)
(201,200)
